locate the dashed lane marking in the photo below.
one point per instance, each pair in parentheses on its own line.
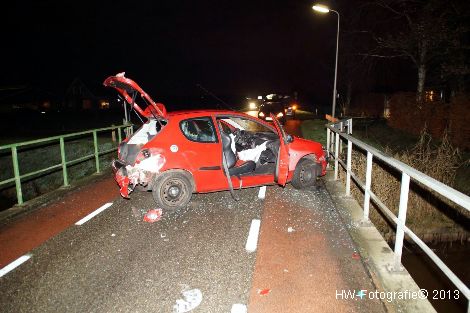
(93,214)
(14,264)
(238,308)
(252,240)
(262,192)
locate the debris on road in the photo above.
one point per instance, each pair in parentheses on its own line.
(263,292)
(238,308)
(113,235)
(192,299)
(290,229)
(356,256)
(153,215)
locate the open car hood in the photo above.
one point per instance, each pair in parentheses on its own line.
(132,93)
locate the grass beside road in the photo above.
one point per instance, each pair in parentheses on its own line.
(304,115)
(438,159)
(314,130)
(379,135)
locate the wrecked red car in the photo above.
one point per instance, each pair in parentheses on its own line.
(175,154)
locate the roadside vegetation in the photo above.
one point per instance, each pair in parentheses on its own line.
(393,141)
(304,115)
(314,130)
(428,213)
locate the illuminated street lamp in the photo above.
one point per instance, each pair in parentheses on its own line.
(324,9)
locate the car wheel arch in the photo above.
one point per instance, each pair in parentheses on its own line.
(299,180)
(312,156)
(187,173)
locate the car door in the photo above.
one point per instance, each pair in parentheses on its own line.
(282,164)
(201,149)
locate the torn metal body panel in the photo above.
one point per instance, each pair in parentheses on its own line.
(147,164)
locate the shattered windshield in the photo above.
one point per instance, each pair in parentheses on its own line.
(247,124)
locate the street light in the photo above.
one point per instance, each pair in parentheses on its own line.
(324,9)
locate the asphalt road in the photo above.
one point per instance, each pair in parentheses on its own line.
(116,262)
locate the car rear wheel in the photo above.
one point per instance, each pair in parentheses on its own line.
(172,191)
(305,174)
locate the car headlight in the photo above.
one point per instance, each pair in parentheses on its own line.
(261,114)
(252,105)
(280,114)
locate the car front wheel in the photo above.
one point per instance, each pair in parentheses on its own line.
(172,191)
(305,174)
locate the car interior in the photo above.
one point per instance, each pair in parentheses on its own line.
(130,149)
(249,148)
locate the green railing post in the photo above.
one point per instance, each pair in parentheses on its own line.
(64,163)
(97,156)
(16,171)
(119,135)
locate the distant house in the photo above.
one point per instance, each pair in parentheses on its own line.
(436,94)
(80,96)
(27,98)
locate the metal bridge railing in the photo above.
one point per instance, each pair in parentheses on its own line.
(340,132)
(19,177)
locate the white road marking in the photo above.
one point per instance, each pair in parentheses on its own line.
(14,264)
(93,214)
(252,240)
(238,308)
(262,192)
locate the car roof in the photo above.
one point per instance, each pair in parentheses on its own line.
(202,112)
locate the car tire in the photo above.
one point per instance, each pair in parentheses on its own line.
(305,174)
(172,191)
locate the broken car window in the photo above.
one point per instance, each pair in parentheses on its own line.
(199,129)
(248,125)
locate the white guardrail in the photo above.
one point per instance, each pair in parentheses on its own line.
(341,131)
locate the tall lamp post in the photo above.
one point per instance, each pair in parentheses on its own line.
(324,9)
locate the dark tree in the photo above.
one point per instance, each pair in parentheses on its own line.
(426,32)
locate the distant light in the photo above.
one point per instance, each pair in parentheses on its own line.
(261,114)
(252,105)
(43,112)
(260,97)
(104,104)
(321,8)
(294,107)
(280,114)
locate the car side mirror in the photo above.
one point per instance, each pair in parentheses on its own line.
(289,138)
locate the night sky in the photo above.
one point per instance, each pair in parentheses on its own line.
(230,47)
